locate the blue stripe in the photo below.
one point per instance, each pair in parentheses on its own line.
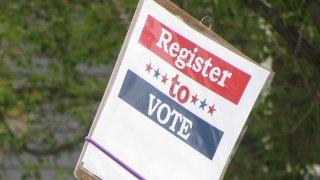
(203,137)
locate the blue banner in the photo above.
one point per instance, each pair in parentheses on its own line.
(170,115)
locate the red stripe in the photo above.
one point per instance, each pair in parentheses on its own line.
(233,87)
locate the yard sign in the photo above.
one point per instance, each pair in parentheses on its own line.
(176,104)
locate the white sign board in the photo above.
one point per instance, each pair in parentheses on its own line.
(177,105)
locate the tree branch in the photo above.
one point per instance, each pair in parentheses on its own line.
(122,13)
(2,118)
(68,145)
(50,151)
(315,11)
(288,32)
(54,91)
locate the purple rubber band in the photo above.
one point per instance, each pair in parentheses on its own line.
(93,142)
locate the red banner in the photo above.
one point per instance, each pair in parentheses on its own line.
(194,61)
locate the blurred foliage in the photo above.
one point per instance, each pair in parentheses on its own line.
(45,94)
